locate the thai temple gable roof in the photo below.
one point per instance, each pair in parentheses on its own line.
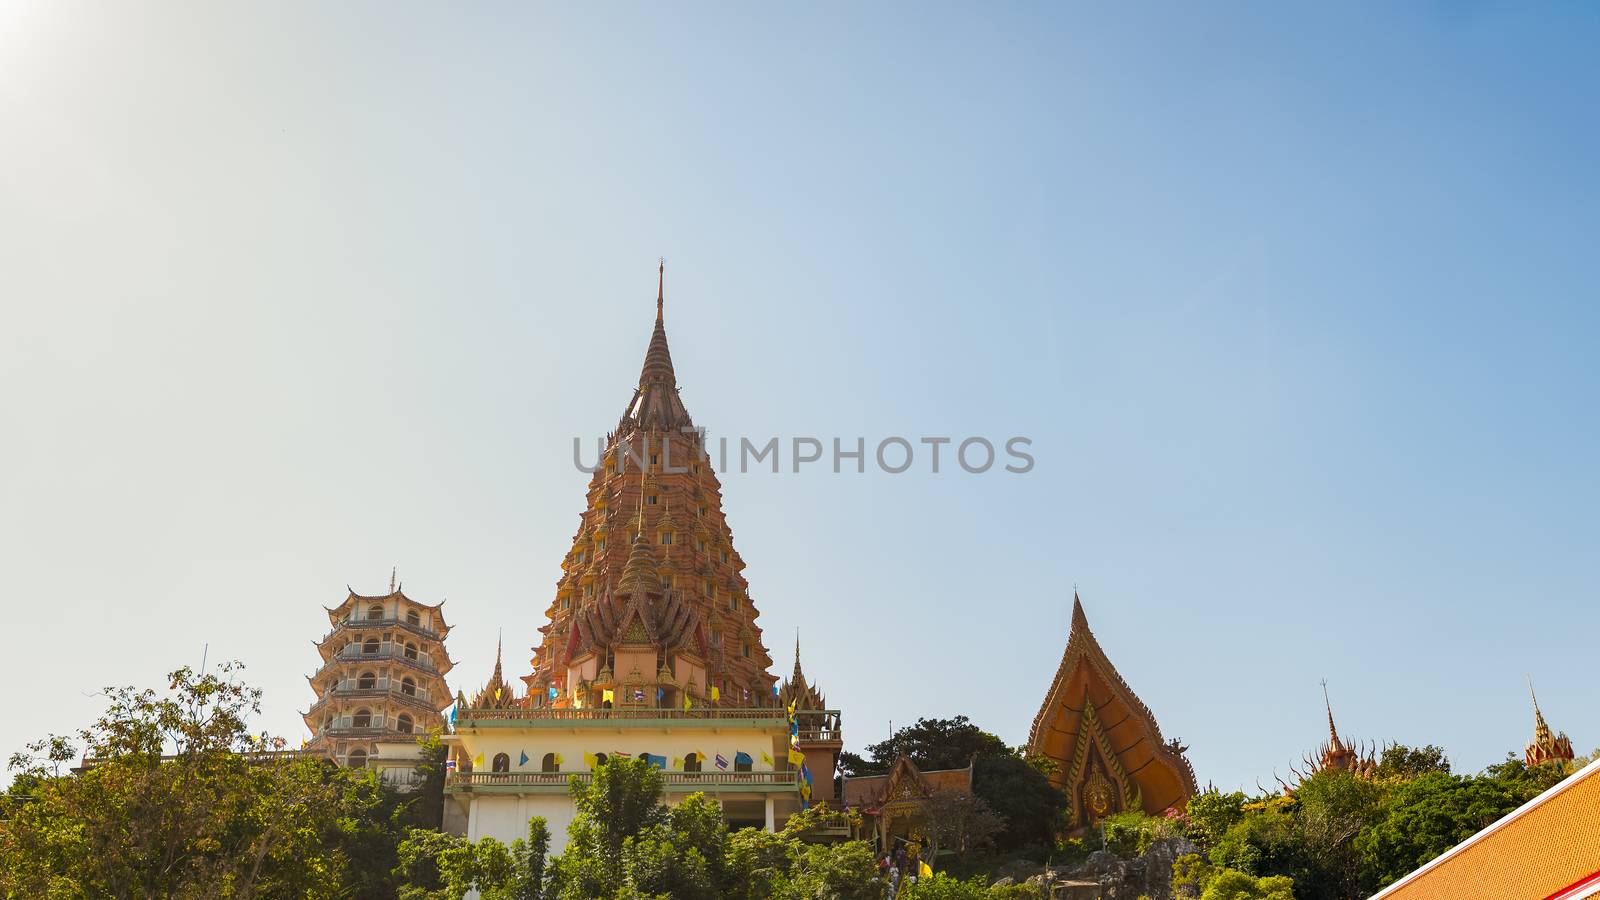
(1161,775)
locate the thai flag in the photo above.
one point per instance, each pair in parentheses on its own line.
(621,754)
(722,761)
(449,765)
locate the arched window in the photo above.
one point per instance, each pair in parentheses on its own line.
(411,650)
(367,681)
(599,760)
(375,611)
(666,537)
(370,646)
(358,758)
(691,763)
(362,719)
(408,685)
(404,724)
(413,619)
(502,763)
(549,764)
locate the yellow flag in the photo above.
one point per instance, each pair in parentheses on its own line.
(766,757)
(677,762)
(796,758)
(607,695)
(588,759)
(924,870)
(715,694)
(686,703)
(559,760)
(477,760)
(497,693)
(791,710)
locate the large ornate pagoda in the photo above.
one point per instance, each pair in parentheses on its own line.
(382,676)
(1108,749)
(651,651)
(651,610)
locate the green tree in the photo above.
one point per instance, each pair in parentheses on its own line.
(622,799)
(1193,877)
(1428,815)
(935,744)
(846,871)
(1401,761)
(181,799)
(1022,796)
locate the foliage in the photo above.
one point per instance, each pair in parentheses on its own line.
(1130,834)
(933,744)
(959,821)
(1424,817)
(621,800)
(1193,877)
(1401,761)
(1022,796)
(1211,813)
(180,799)
(846,871)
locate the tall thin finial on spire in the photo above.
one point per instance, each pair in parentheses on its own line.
(661,287)
(1325,702)
(392,573)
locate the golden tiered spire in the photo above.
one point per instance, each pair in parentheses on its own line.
(640,607)
(1547,746)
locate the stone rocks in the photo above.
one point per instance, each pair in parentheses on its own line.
(1107,876)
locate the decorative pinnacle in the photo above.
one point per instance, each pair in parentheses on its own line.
(1332,731)
(392,572)
(661,287)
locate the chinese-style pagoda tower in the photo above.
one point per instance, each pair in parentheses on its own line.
(651,610)
(1546,746)
(382,676)
(1107,746)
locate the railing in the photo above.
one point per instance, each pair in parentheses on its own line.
(386,622)
(695,780)
(377,725)
(624,712)
(385,650)
(352,687)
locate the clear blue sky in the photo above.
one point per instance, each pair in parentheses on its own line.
(1297,303)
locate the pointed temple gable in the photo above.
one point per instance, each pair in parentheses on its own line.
(651,608)
(1108,749)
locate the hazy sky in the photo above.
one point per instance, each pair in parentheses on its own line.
(1297,303)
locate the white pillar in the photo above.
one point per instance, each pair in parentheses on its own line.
(772,824)
(472,817)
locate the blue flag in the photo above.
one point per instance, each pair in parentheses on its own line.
(742,758)
(524,760)
(659,762)
(553,692)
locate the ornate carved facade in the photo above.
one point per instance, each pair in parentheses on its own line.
(651,609)
(382,676)
(1108,748)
